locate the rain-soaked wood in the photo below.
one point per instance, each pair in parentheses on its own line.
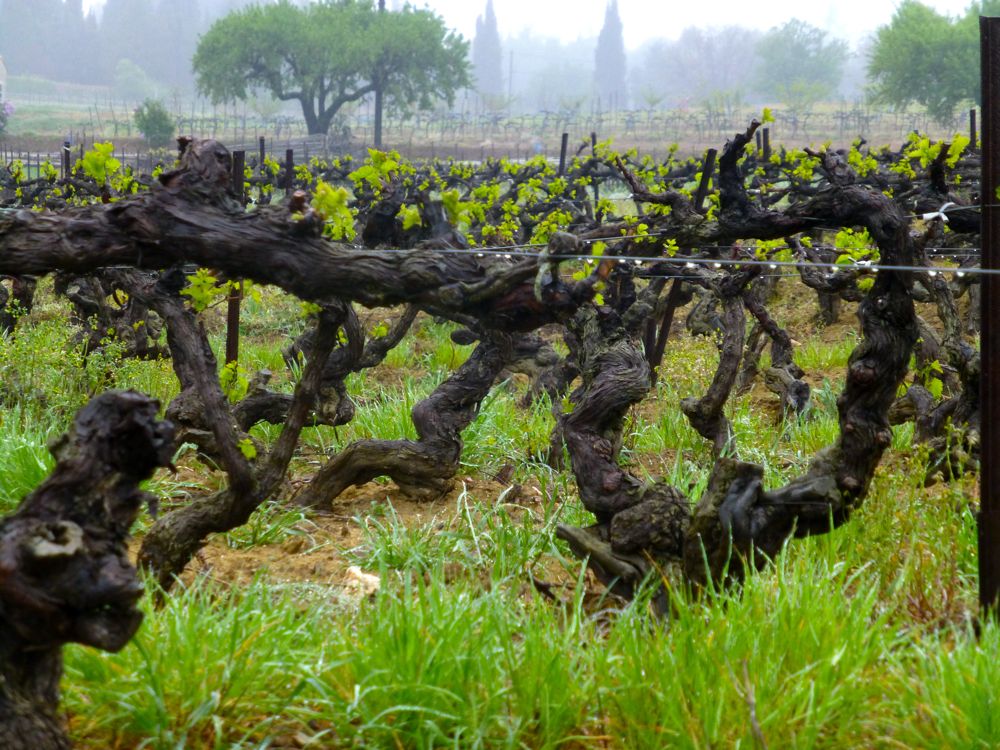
(192,217)
(633,516)
(65,576)
(989,477)
(950,427)
(17,302)
(174,538)
(333,406)
(737,518)
(424,467)
(836,482)
(706,413)
(783,377)
(935,194)
(103,315)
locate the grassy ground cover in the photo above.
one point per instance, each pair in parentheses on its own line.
(464,623)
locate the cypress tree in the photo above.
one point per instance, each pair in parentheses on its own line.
(609,60)
(486,55)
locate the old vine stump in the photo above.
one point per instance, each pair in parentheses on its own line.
(64,573)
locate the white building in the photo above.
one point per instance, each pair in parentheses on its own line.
(3,79)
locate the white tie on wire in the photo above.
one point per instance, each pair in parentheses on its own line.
(939,214)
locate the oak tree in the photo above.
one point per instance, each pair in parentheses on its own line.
(328,54)
(799,64)
(924,57)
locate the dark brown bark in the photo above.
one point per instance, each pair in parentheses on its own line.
(175,537)
(191,218)
(17,302)
(657,332)
(703,318)
(533,356)
(783,377)
(830,286)
(705,414)
(935,194)
(973,324)
(829,307)
(736,518)
(65,576)
(124,320)
(951,427)
(750,366)
(424,467)
(333,405)
(634,518)
(837,480)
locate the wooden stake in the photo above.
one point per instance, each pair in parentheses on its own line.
(989,357)
(707,169)
(236,295)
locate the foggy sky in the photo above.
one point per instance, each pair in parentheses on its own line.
(647,19)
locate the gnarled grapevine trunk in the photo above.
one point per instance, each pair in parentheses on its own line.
(737,507)
(423,467)
(950,427)
(783,376)
(736,517)
(191,217)
(633,517)
(176,537)
(65,576)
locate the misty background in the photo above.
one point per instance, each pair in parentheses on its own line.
(645,74)
(143,48)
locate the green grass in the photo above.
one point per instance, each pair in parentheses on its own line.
(858,638)
(505,432)
(456,668)
(949,691)
(35,119)
(502,540)
(816,356)
(25,459)
(668,430)
(207,670)
(795,638)
(821,649)
(271,523)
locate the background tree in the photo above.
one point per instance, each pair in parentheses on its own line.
(57,40)
(609,59)
(927,58)
(71,30)
(6,110)
(326,55)
(486,55)
(128,31)
(24,41)
(132,82)
(701,63)
(179,23)
(155,123)
(798,64)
